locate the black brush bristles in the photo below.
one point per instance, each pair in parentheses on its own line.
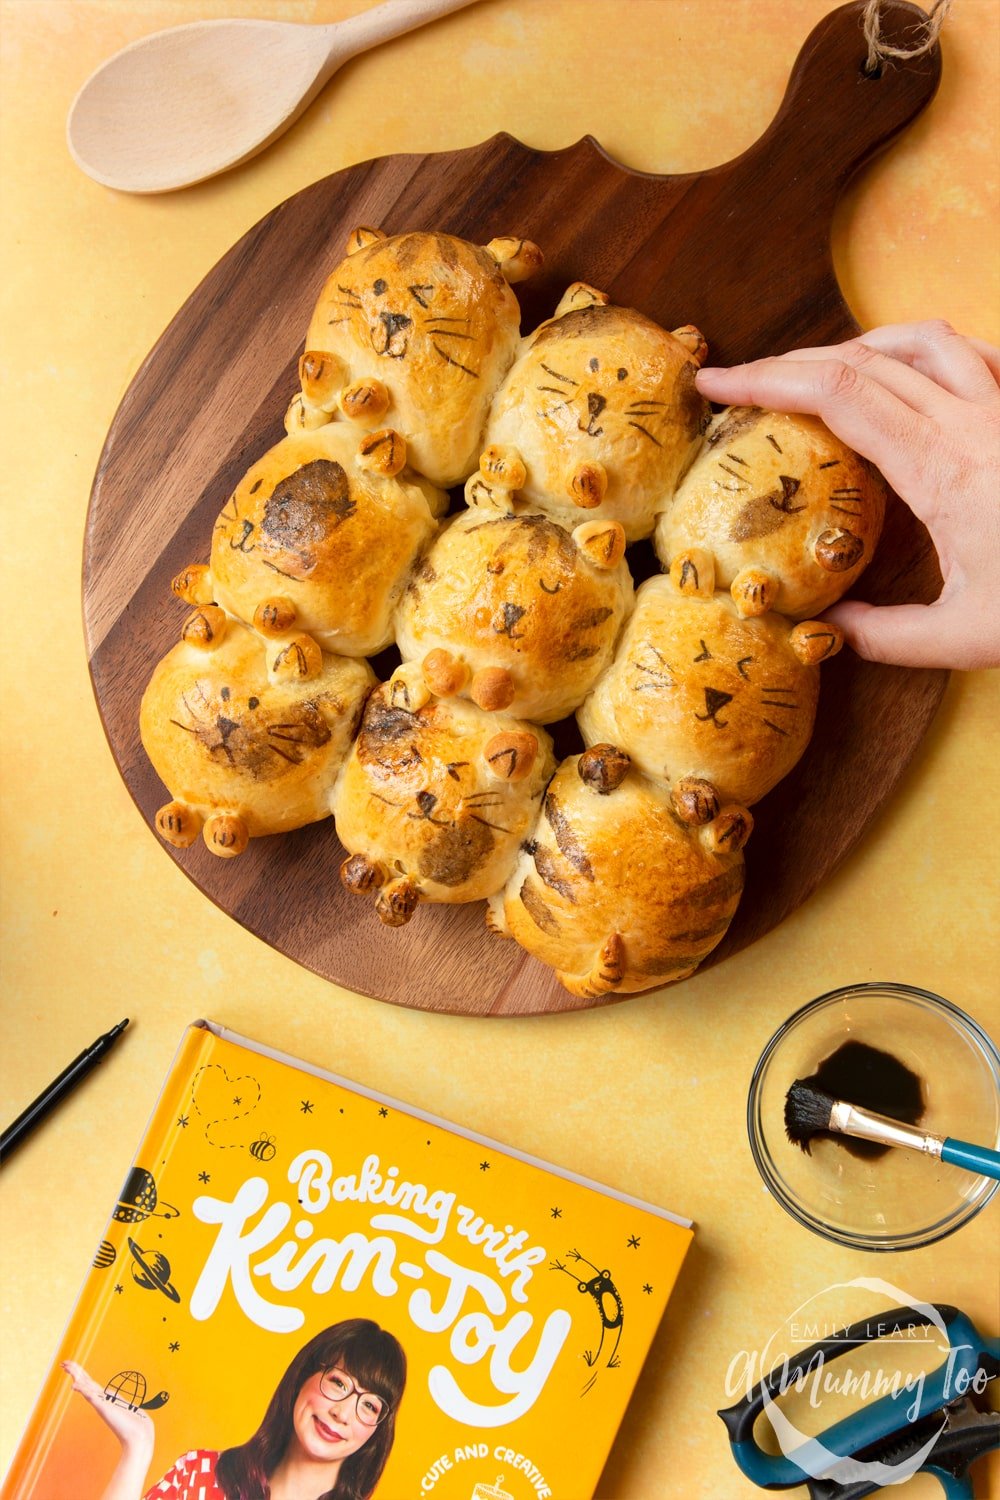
(807,1111)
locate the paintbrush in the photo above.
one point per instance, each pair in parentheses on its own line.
(809,1110)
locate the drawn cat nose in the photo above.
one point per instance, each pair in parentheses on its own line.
(393,327)
(714,700)
(595,405)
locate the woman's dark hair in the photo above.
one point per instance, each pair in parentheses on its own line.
(369,1355)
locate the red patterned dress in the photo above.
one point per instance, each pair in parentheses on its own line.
(191,1478)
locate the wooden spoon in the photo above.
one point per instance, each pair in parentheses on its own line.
(184,104)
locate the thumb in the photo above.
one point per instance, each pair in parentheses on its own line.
(915,635)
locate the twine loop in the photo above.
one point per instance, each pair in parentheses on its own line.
(926,32)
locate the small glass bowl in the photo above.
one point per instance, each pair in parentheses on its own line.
(903,1199)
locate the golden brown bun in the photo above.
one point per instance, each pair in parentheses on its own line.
(418,330)
(775,508)
(435,797)
(612,889)
(601,410)
(315,539)
(240,727)
(696,690)
(520,595)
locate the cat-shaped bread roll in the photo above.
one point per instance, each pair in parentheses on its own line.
(597,419)
(776,509)
(718,706)
(612,889)
(435,797)
(415,331)
(320,536)
(247,736)
(515,612)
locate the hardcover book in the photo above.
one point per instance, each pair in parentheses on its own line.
(309,1284)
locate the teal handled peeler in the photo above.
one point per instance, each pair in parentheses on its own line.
(935,1428)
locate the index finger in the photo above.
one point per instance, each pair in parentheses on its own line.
(856,408)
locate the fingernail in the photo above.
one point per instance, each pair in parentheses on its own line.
(709,372)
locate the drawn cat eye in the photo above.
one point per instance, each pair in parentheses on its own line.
(380,287)
(422,293)
(741,666)
(623,374)
(595,364)
(705,654)
(547,590)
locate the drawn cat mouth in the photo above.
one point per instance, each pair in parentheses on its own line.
(714,701)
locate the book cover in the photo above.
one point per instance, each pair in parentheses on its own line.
(307,1282)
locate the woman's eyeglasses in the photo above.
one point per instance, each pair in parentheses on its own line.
(336,1386)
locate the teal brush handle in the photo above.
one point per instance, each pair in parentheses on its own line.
(974,1158)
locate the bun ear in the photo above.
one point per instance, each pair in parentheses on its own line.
(362,237)
(580,295)
(517,259)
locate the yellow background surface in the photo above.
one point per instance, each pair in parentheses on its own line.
(98,923)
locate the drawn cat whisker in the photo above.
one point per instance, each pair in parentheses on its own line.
(566,379)
(776,703)
(457,363)
(646,433)
(453,333)
(497,827)
(775,727)
(743,484)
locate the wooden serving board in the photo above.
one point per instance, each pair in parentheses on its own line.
(743,251)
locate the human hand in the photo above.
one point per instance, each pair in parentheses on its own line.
(922,403)
(132,1428)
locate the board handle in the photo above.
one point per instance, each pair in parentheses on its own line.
(835,115)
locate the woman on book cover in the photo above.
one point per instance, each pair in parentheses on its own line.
(326,1435)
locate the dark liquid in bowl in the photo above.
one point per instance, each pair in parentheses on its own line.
(873,1079)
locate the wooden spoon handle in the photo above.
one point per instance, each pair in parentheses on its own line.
(393,18)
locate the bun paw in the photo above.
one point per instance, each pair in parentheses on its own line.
(603,768)
(838,550)
(193,585)
(178,824)
(361,875)
(320,377)
(517,259)
(587,485)
(301,417)
(503,466)
(275,617)
(206,628)
(728,833)
(444,674)
(754,592)
(496,922)
(695,800)
(511,755)
(365,401)
(492,689)
(383,452)
(226,834)
(396,902)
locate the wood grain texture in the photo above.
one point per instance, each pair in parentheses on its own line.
(742,250)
